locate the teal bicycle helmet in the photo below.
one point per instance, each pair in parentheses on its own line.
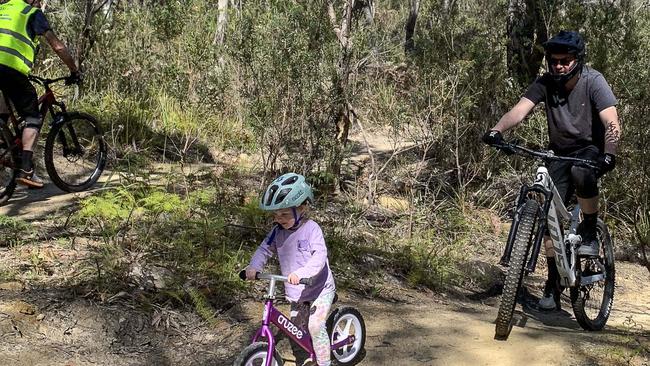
(286,191)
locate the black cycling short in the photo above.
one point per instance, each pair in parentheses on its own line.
(22,94)
(569,177)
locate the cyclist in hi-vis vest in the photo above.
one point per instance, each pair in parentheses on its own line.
(21,21)
(582,123)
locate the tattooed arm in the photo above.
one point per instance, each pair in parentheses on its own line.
(609,117)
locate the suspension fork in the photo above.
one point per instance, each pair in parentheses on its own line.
(505,258)
(541,229)
(541,224)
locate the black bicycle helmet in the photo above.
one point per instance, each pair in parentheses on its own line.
(565,42)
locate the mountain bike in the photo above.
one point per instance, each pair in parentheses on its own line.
(539,207)
(345,327)
(75,151)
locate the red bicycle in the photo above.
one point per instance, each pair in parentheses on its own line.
(75,151)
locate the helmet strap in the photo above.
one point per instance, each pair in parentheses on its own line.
(296,218)
(562,79)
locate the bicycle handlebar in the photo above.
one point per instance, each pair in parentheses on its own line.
(268,276)
(546,155)
(44,81)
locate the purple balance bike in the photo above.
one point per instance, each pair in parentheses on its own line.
(344,325)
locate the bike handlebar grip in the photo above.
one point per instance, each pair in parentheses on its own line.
(242,275)
(306,281)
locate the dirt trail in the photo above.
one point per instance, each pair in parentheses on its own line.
(436,330)
(454,332)
(38,204)
(50,326)
(41,328)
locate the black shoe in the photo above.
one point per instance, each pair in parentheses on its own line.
(29,179)
(589,246)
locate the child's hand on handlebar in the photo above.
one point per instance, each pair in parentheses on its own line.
(250,273)
(293,279)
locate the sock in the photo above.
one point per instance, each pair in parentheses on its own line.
(553,277)
(590,219)
(590,223)
(27,160)
(553,286)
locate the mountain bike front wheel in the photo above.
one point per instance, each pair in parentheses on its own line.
(75,152)
(592,300)
(255,355)
(520,248)
(8,164)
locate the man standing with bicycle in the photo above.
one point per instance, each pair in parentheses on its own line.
(582,123)
(21,21)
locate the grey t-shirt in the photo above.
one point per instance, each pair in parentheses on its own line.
(573,120)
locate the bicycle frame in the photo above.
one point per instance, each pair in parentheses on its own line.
(300,336)
(565,261)
(552,211)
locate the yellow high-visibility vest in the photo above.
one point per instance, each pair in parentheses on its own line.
(17,48)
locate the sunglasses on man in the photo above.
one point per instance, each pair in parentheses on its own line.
(564,61)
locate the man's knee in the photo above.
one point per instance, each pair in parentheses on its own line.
(585,181)
(34,122)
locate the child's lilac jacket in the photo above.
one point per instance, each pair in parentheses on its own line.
(301,251)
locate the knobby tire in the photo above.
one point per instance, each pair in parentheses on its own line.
(581,294)
(514,276)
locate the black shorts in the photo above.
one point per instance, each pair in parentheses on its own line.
(560,172)
(20,92)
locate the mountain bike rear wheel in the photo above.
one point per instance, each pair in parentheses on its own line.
(75,152)
(592,302)
(8,165)
(521,246)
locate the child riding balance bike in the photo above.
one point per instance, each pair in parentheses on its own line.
(309,286)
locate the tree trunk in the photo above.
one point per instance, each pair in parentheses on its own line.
(340,113)
(448,6)
(86,38)
(409,44)
(527,31)
(368,8)
(222,22)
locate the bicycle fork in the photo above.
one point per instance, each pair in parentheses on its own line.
(539,234)
(524,194)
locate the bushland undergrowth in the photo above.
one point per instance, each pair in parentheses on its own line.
(167,89)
